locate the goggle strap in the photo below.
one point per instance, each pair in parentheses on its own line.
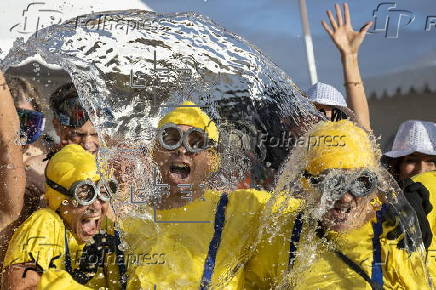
(57,187)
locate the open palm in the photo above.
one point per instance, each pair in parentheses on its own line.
(341,32)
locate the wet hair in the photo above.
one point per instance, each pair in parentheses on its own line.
(23,91)
(62,93)
(392,165)
(66,106)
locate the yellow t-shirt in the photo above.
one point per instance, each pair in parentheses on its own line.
(41,239)
(170,252)
(317,266)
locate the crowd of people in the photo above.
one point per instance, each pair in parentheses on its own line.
(333,217)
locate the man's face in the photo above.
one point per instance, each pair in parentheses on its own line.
(344,196)
(86,136)
(349,213)
(180,166)
(416,163)
(84,221)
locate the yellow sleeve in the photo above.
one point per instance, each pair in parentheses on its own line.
(59,279)
(40,238)
(428,179)
(405,270)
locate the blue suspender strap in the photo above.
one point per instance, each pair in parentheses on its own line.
(295,238)
(209,265)
(120,261)
(377,272)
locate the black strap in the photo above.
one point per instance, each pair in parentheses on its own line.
(295,238)
(82,278)
(209,265)
(356,268)
(120,261)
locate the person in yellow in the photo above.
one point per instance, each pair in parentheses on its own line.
(61,247)
(334,237)
(428,179)
(197,238)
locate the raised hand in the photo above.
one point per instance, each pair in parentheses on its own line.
(341,31)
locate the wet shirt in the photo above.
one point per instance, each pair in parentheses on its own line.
(41,239)
(428,179)
(202,244)
(316,264)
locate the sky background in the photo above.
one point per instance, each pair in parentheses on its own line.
(274,27)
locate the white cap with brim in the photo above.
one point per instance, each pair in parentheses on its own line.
(325,94)
(414,136)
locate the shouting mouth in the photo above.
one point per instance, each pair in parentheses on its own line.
(340,212)
(90,225)
(180,172)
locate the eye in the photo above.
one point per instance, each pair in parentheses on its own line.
(197,140)
(171,136)
(85,192)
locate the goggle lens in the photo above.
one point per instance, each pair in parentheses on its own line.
(85,193)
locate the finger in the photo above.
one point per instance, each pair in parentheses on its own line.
(365,28)
(332,20)
(327,28)
(347,15)
(339,15)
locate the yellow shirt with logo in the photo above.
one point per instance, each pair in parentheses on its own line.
(41,239)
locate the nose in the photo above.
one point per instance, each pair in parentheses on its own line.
(347,197)
(96,206)
(181,150)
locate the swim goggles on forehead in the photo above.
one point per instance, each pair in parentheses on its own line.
(32,125)
(70,113)
(339,182)
(171,137)
(85,192)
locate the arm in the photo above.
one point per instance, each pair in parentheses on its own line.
(348,42)
(32,280)
(13,277)
(12,172)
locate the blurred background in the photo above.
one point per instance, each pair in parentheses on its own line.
(397,60)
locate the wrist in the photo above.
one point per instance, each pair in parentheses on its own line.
(349,56)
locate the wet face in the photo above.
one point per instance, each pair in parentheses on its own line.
(182,167)
(84,221)
(416,163)
(86,136)
(349,212)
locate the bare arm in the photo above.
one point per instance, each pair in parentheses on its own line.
(13,277)
(348,42)
(12,172)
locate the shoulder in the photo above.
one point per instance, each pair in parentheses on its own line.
(260,196)
(428,179)
(43,222)
(42,216)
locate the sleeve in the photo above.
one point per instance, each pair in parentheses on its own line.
(405,270)
(39,239)
(59,279)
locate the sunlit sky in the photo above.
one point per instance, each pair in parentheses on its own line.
(274,27)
